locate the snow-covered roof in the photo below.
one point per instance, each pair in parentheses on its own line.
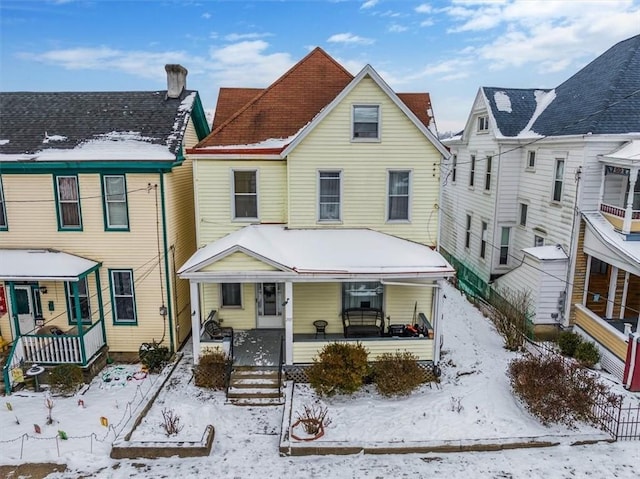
(547,253)
(328,251)
(629,151)
(42,265)
(615,240)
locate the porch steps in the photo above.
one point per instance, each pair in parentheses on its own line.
(255,386)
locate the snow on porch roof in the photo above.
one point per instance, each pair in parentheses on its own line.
(41,265)
(329,251)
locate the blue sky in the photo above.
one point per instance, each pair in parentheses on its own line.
(447,48)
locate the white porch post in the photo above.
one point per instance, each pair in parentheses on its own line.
(611,296)
(288,322)
(625,290)
(435,307)
(587,275)
(628,212)
(195,320)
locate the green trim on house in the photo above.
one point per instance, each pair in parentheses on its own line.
(104,202)
(166,261)
(4,223)
(89,166)
(56,199)
(115,320)
(69,305)
(199,118)
(100,305)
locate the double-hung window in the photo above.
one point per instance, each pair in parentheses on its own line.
(245,194)
(487,177)
(3,209)
(472,171)
(231,295)
(531,159)
(523,214)
(454,168)
(68,203)
(504,244)
(483,240)
(83,297)
(557,180)
(399,189)
(483,123)
(329,194)
(114,191)
(366,122)
(123,300)
(467,233)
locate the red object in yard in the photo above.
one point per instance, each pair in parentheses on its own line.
(631,376)
(3,301)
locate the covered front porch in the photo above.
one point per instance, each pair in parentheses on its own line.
(50,317)
(244,283)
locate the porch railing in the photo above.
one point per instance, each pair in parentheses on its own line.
(54,349)
(618,211)
(14,360)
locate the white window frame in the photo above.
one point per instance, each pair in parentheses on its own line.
(320,219)
(234,194)
(504,247)
(353,122)
(531,159)
(522,214)
(408,195)
(454,168)
(538,240)
(467,232)
(472,171)
(483,239)
(558,182)
(110,201)
(231,306)
(487,176)
(483,123)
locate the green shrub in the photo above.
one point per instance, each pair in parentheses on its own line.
(587,353)
(397,374)
(339,368)
(66,379)
(568,342)
(154,356)
(211,371)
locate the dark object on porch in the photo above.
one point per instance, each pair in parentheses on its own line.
(358,322)
(321,327)
(213,330)
(396,330)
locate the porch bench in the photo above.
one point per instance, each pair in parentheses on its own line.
(359,322)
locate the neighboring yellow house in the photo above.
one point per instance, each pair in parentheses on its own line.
(317,200)
(96,213)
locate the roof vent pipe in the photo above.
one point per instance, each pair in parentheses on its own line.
(176,80)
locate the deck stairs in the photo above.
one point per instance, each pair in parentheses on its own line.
(255,386)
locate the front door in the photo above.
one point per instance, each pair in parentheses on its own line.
(24,309)
(270,305)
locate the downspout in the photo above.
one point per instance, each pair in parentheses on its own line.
(78,310)
(166,262)
(439,227)
(100,305)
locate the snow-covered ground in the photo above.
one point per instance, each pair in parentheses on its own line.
(246,441)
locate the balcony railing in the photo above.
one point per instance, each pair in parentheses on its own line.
(616,216)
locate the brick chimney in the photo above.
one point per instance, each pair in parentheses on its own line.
(176,80)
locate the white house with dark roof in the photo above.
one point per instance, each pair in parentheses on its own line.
(535,168)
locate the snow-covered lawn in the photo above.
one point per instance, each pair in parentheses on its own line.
(247,438)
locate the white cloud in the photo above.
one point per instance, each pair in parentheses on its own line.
(349,38)
(427,23)
(369,4)
(396,28)
(424,8)
(206,15)
(234,37)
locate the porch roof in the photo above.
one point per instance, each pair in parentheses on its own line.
(317,254)
(629,153)
(603,241)
(42,265)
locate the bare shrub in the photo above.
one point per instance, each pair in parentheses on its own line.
(456,404)
(510,316)
(210,372)
(313,418)
(339,368)
(397,374)
(171,422)
(556,390)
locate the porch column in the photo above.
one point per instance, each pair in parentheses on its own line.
(611,295)
(288,322)
(435,311)
(628,213)
(14,310)
(587,275)
(603,177)
(625,290)
(195,320)
(78,310)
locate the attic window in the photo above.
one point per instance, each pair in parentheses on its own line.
(483,123)
(366,122)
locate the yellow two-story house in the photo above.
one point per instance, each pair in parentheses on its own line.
(316,205)
(96,214)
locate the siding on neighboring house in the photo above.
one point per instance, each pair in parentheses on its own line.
(365,167)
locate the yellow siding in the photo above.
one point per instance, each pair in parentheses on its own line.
(305,351)
(365,169)
(312,301)
(601,334)
(213,184)
(36,227)
(401,300)
(237,318)
(239,261)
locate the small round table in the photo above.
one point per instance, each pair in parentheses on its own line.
(35,371)
(321,327)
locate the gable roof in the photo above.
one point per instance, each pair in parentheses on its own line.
(601,98)
(95,125)
(268,120)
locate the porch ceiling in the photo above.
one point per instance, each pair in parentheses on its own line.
(603,241)
(42,265)
(318,254)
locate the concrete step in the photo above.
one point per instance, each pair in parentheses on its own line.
(253,383)
(257,402)
(253,393)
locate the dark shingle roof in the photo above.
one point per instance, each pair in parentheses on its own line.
(523,105)
(26,118)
